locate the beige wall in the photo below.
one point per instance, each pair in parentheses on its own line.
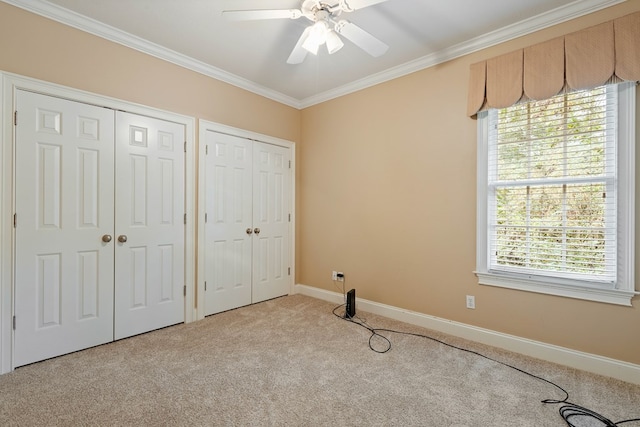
(40,48)
(387,194)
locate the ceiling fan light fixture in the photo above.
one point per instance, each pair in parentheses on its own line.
(317,36)
(334,43)
(311,46)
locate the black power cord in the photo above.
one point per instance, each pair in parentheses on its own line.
(568,411)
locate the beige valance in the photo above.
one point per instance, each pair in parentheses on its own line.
(585,59)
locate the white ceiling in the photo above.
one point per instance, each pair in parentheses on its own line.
(253,54)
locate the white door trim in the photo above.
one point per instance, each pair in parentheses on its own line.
(204,126)
(11,83)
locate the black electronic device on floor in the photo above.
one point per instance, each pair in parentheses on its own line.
(350,308)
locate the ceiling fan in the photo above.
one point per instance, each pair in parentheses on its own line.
(325,27)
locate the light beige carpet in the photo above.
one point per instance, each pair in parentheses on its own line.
(291,362)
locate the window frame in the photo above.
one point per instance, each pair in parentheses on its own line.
(623,290)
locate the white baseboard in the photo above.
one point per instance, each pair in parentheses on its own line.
(613,368)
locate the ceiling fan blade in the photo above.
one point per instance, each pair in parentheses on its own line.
(361,38)
(351,5)
(299,53)
(252,15)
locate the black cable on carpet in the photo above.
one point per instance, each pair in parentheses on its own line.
(570,412)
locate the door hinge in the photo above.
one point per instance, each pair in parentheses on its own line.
(185,146)
(205,286)
(14,323)
(289,271)
(15,220)
(205,217)
(289,164)
(289,217)
(184,290)
(15,118)
(185,219)
(206,150)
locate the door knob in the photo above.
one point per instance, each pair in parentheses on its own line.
(249,231)
(122,238)
(256,230)
(106,238)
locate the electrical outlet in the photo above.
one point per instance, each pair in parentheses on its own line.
(340,276)
(334,275)
(471,301)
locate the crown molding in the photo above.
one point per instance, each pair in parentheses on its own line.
(89,25)
(571,11)
(565,13)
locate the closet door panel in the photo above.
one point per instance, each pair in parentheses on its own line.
(64,223)
(271,208)
(149,224)
(228,227)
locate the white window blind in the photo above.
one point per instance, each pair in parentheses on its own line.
(552,193)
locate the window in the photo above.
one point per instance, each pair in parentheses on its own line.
(556,195)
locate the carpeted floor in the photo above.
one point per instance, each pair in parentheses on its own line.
(291,362)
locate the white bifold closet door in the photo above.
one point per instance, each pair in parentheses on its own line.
(64,207)
(149,273)
(99,236)
(247,227)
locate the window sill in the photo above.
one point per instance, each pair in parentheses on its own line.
(609,296)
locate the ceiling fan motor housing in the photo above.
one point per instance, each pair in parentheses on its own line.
(319,11)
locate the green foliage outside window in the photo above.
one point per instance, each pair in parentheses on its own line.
(550,178)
